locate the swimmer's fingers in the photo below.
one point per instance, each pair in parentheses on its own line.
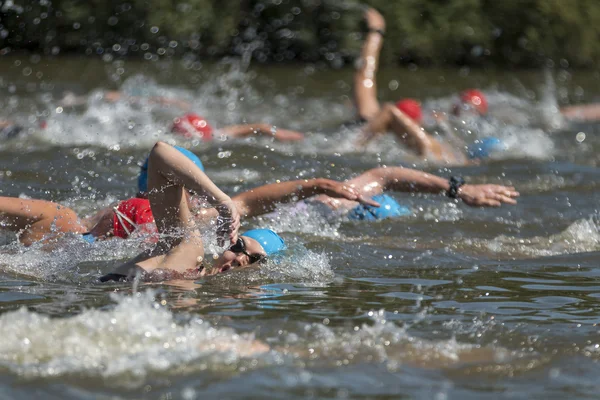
(337,189)
(367,200)
(505,190)
(228,222)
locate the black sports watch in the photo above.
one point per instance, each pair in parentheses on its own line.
(455,183)
(380,31)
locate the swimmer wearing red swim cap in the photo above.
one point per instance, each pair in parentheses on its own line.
(474,99)
(411,108)
(404,118)
(193,126)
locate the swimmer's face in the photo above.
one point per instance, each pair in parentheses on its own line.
(102,223)
(234,259)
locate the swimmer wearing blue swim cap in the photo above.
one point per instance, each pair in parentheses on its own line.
(253,246)
(485,148)
(389,208)
(143,177)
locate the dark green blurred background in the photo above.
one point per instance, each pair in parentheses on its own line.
(519,33)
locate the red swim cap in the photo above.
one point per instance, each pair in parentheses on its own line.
(475,98)
(412,108)
(130,214)
(192,125)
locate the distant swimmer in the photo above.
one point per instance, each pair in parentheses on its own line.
(405,117)
(9,130)
(193,126)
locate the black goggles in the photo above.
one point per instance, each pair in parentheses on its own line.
(240,247)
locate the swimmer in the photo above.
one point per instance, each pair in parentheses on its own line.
(180,251)
(193,126)
(404,118)
(372,185)
(40,220)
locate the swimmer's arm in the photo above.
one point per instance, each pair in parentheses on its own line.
(588,112)
(398,179)
(409,180)
(169,173)
(174,168)
(264,199)
(240,131)
(365,83)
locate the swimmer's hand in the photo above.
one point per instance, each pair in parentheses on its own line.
(228,222)
(487,195)
(343,190)
(375,20)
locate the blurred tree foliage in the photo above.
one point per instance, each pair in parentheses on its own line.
(506,32)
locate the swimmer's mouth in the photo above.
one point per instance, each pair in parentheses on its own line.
(213,270)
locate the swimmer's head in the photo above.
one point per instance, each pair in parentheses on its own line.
(474,99)
(388,208)
(485,148)
(129,215)
(192,126)
(143,176)
(252,247)
(411,108)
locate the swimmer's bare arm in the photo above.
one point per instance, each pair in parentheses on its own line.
(407,131)
(181,249)
(587,112)
(402,179)
(34,219)
(239,131)
(365,83)
(265,198)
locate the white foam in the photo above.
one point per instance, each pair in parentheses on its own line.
(140,337)
(581,236)
(136,337)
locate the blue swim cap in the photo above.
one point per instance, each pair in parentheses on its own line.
(483,148)
(143,177)
(269,240)
(88,237)
(389,208)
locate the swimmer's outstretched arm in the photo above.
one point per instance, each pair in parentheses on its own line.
(283,135)
(264,199)
(170,174)
(583,113)
(401,179)
(365,83)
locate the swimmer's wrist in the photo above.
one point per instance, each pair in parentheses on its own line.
(455,183)
(377,30)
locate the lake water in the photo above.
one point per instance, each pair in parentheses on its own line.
(450,302)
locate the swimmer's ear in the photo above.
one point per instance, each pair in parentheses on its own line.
(367,200)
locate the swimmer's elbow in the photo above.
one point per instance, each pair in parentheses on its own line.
(158,150)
